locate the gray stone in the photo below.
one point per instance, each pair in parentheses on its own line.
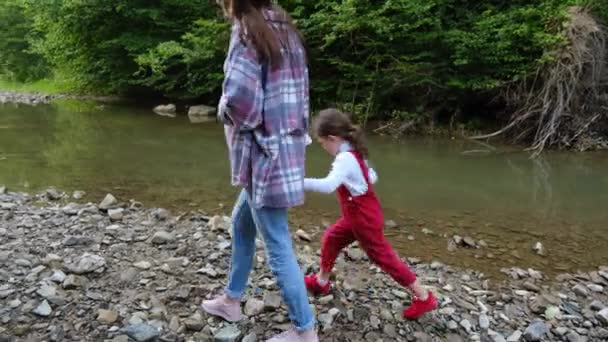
(581,290)
(573,336)
(168,109)
(254,307)
(87,263)
(108,202)
(595,288)
(596,305)
(106,317)
(230,333)
(2,190)
(195,322)
(326,320)
(453,338)
(201,110)
(515,336)
(272,300)
(53,194)
(43,309)
(536,331)
(420,336)
(251,337)
(602,316)
(468,241)
(162,237)
(484,321)
(78,194)
(73,281)
(142,332)
(116,214)
(302,235)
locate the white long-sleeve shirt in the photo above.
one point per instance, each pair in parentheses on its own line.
(345,170)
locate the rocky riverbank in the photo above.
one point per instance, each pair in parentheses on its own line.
(39,98)
(117,271)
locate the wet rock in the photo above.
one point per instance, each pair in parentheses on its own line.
(539,248)
(536,331)
(469,242)
(78,194)
(43,309)
(165,110)
(162,237)
(108,202)
(302,235)
(52,194)
(254,307)
(201,110)
(106,316)
(390,224)
(230,333)
(142,332)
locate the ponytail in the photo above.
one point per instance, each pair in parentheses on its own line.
(356,138)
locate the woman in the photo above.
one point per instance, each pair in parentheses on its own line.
(264,107)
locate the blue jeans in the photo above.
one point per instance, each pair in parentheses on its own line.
(272,224)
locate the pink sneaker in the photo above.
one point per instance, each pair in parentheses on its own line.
(222,307)
(294,336)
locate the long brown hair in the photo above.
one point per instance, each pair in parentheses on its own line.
(254,28)
(333,122)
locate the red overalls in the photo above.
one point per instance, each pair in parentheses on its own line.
(362,220)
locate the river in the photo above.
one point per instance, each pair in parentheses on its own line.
(432,188)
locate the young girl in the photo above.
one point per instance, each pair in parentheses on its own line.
(362,219)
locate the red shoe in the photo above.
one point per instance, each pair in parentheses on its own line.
(312,284)
(420,307)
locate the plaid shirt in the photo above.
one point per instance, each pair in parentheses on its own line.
(266,116)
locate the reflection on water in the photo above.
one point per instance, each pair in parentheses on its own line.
(504,198)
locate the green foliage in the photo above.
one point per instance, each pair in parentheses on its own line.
(96,43)
(189,67)
(373,58)
(17,60)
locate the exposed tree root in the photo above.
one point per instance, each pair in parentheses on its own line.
(566,105)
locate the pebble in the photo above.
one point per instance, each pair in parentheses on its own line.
(142,332)
(484,321)
(302,235)
(162,237)
(43,309)
(230,333)
(106,316)
(573,336)
(536,331)
(251,337)
(596,305)
(254,307)
(116,214)
(580,290)
(108,202)
(602,316)
(272,300)
(515,336)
